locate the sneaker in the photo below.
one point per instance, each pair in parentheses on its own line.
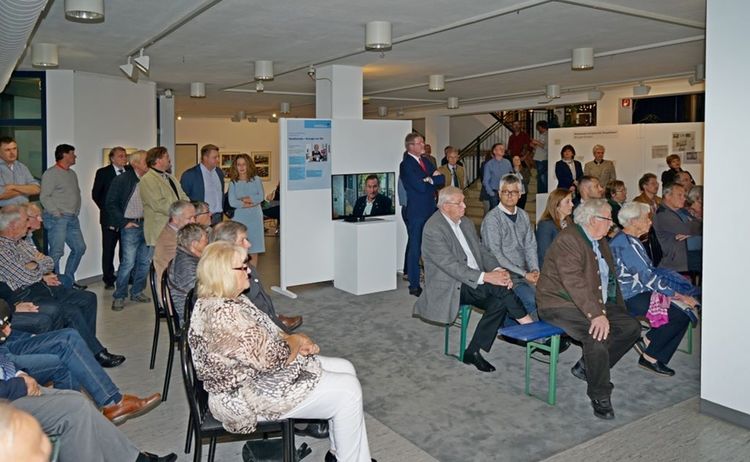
(140,298)
(118,304)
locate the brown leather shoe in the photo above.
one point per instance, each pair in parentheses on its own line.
(291,322)
(130,406)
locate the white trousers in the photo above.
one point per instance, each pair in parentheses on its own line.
(338,398)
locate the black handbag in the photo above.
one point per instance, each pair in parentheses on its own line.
(226,208)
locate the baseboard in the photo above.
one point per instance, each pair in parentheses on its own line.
(724,413)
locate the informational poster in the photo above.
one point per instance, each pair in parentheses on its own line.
(309,154)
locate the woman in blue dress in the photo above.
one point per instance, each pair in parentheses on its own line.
(246,195)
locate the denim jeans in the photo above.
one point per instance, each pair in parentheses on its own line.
(61,230)
(526,293)
(45,356)
(136,258)
(541,176)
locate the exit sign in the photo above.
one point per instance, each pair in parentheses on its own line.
(626,102)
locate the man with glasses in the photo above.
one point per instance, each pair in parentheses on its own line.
(180,214)
(16,182)
(460,270)
(202,214)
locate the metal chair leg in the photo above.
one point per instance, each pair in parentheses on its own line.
(155,343)
(288,451)
(188,438)
(212,449)
(168,376)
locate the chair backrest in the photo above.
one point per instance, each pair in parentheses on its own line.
(189,303)
(154,293)
(196,395)
(173,317)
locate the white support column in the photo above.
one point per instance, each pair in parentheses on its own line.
(338,92)
(166,124)
(437,132)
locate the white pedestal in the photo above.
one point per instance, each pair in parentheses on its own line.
(365,256)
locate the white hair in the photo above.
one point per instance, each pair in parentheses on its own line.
(446,193)
(586,211)
(631,211)
(177,208)
(509,179)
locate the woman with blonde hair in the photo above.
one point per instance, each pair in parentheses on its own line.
(246,195)
(554,219)
(252,370)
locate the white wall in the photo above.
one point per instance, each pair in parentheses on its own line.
(93,112)
(465,128)
(725,375)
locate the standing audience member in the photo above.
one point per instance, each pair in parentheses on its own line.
(599,168)
(61,199)
(205,182)
(125,211)
(452,170)
(180,214)
(554,219)
(446,150)
(427,154)
(16,181)
(674,226)
(578,292)
(674,162)
(159,190)
(483,195)
(493,171)
(523,173)
(246,196)
(191,240)
(616,194)
(568,170)
(541,155)
(649,187)
(420,180)
(519,141)
(460,270)
(251,368)
(110,235)
(509,235)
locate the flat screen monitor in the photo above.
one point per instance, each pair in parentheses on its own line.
(356,196)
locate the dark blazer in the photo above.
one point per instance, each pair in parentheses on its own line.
(421,194)
(562,172)
(102,183)
(192,182)
(120,190)
(381,206)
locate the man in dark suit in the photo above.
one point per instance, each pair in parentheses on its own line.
(104,176)
(461,270)
(373,203)
(420,180)
(205,182)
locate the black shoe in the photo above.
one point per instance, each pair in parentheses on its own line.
(640,347)
(109,286)
(148,457)
(564,345)
(478,361)
(416,291)
(603,408)
(579,370)
(315,430)
(658,367)
(79,286)
(331,458)
(107,359)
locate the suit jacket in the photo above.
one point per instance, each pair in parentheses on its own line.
(382,205)
(564,176)
(165,250)
(157,195)
(118,196)
(570,275)
(643,199)
(460,174)
(421,194)
(192,182)
(604,172)
(446,269)
(102,182)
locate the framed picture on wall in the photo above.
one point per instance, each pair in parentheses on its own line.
(227,157)
(262,160)
(105,154)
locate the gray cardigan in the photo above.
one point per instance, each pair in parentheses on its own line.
(513,244)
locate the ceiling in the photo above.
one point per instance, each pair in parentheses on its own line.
(519,47)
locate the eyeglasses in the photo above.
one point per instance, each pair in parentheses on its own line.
(241,268)
(201,213)
(456,203)
(505,192)
(245,265)
(603,218)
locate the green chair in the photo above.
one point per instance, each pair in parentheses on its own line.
(462,322)
(689,348)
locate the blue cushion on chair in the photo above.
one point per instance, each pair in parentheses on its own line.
(531,332)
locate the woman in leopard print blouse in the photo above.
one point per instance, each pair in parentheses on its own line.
(254,371)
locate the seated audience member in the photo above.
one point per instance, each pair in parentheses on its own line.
(649,291)
(694,202)
(460,270)
(236,233)
(554,219)
(601,169)
(509,235)
(578,291)
(567,170)
(674,162)
(28,274)
(452,168)
(35,223)
(523,173)
(372,203)
(616,194)
(180,213)
(589,188)
(649,187)
(84,434)
(252,368)
(202,214)
(191,240)
(683,178)
(61,357)
(674,226)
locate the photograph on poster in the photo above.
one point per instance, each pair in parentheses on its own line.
(683,141)
(659,151)
(308,154)
(692,157)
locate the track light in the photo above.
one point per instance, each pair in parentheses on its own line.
(273,119)
(235,118)
(595,95)
(285,108)
(252,119)
(582,59)
(263,70)
(259,87)
(44,55)
(436,82)
(142,62)
(699,75)
(453,102)
(129,70)
(197,90)
(84,10)
(553,91)
(382,111)
(378,36)
(641,89)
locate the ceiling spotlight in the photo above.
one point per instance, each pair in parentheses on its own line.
(553,91)
(583,59)
(437,82)
(129,70)
(168,93)
(44,55)
(378,36)
(142,62)
(179,117)
(699,75)
(595,95)
(452,102)
(241,115)
(641,89)
(382,111)
(285,108)
(259,87)
(84,10)
(197,90)
(252,119)
(263,70)
(400,113)
(235,118)
(273,119)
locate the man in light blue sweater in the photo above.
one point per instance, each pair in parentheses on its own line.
(508,233)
